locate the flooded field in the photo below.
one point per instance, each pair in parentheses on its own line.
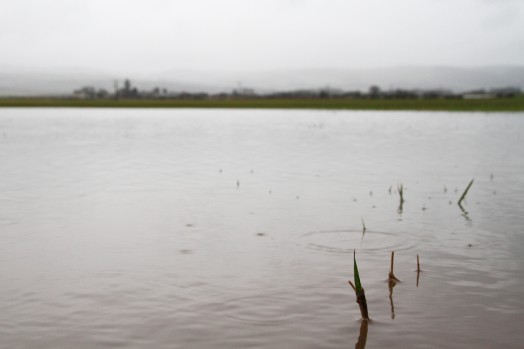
(235,229)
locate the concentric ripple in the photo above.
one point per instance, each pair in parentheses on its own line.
(263,308)
(345,241)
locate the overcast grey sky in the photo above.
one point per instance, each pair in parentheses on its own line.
(149,36)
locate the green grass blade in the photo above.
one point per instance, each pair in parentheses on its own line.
(465,192)
(358,285)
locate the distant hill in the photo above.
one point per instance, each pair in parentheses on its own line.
(15,82)
(453,78)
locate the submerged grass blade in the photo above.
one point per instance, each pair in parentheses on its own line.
(465,192)
(358,285)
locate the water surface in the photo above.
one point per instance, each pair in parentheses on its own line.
(236,228)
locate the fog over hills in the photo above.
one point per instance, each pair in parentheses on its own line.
(17,81)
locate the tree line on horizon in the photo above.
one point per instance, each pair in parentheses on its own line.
(128,91)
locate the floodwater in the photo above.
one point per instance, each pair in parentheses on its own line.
(236,229)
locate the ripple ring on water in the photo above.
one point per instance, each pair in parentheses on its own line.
(262,308)
(345,241)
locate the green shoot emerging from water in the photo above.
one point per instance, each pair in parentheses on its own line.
(359,290)
(358,285)
(465,192)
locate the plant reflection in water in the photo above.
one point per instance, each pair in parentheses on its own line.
(363,336)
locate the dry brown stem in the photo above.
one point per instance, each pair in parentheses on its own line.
(392,276)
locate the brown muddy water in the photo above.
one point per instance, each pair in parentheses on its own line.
(236,229)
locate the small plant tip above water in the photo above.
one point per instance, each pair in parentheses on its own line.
(400,189)
(465,193)
(418,270)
